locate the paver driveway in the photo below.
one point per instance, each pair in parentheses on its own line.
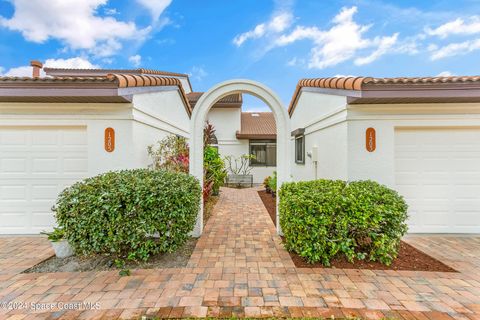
(240,268)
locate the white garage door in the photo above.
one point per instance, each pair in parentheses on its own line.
(35,165)
(438,172)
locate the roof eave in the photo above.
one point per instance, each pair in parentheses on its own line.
(62,93)
(391,94)
(240,135)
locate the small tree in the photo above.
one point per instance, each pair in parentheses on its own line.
(239,165)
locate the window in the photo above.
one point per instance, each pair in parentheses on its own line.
(300,149)
(265,153)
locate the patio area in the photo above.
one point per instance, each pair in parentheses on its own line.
(239,268)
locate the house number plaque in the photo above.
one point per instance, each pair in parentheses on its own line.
(109,139)
(371,140)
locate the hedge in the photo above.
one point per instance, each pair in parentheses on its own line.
(131,213)
(325,218)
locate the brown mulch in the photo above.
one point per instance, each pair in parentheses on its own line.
(409,258)
(177,259)
(269,203)
(208,208)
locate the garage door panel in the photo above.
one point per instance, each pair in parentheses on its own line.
(13,192)
(44,192)
(15,220)
(13,165)
(35,166)
(45,165)
(42,219)
(442,185)
(45,138)
(70,138)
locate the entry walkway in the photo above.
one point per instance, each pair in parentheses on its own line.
(240,268)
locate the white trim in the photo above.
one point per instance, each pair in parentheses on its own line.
(333,92)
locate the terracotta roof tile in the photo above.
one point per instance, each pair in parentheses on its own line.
(54,79)
(116,80)
(103,72)
(233,100)
(366,83)
(73,72)
(257,125)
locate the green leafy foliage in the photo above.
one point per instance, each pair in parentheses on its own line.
(131,214)
(214,168)
(56,235)
(272,182)
(324,218)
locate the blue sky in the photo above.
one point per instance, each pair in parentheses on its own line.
(275,42)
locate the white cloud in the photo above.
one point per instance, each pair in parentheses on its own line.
(73,22)
(293,62)
(445,74)
(456,27)
(26,71)
(22,71)
(343,41)
(111,11)
(454,49)
(71,63)
(156,7)
(136,60)
(384,45)
(197,73)
(278,23)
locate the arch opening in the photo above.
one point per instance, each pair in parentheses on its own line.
(199,117)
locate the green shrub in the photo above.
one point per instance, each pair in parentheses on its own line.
(272,182)
(214,167)
(324,218)
(131,213)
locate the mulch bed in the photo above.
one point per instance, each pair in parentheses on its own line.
(269,203)
(177,259)
(409,258)
(208,208)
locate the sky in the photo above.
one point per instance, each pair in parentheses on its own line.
(276,42)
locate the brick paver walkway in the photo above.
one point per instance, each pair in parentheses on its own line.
(240,268)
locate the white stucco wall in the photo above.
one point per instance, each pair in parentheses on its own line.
(324,119)
(156,115)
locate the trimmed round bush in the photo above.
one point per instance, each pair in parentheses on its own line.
(325,218)
(131,213)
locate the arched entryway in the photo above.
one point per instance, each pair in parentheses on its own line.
(197,123)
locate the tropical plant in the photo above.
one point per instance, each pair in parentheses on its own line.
(214,169)
(170,153)
(209,137)
(325,218)
(272,182)
(239,165)
(130,214)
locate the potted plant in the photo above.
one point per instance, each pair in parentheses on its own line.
(59,244)
(239,170)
